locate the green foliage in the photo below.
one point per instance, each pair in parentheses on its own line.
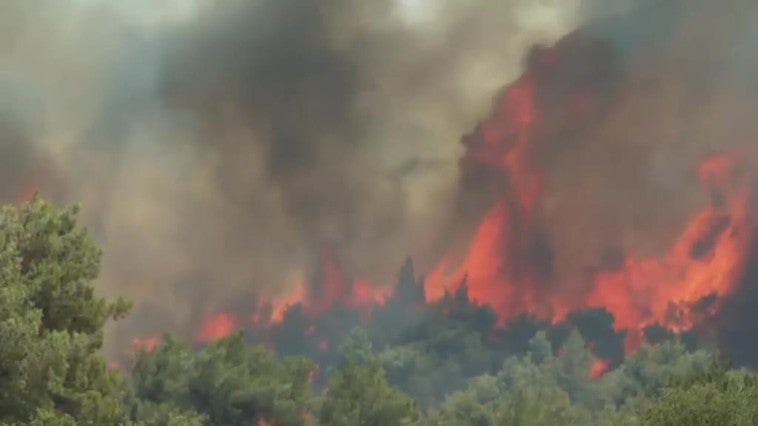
(546,373)
(532,390)
(416,370)
(440,349)
(546,387)
(51,322)
(645,373)
(534,407)
(227,382)
(714,396)
(51,418)
(462,408)
(359,394)
(447,356)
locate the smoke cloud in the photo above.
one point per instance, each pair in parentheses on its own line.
(216,149)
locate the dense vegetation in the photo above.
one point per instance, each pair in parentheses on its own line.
(434,369)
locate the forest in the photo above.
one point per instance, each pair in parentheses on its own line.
(379,213)
(442,363)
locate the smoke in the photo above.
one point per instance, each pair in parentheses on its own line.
(215,149)
(684,86)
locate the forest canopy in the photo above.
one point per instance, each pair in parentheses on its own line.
(440,368)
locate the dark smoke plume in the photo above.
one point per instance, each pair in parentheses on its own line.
(215,149)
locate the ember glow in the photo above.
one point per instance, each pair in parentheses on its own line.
(328,289)
(598,368)
(217,327)
(147,343)
(43,176)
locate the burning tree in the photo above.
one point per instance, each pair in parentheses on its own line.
(550,240)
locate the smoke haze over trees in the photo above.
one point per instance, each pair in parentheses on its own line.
(51,324)
(302,125)
(569,186)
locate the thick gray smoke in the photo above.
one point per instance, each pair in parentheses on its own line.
(216,148)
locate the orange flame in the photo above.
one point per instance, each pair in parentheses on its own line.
(504,262)
(365,294)
(497,264)
(284,301)
(332,284)
(217,326)
(706,260)
(147,343)
(502,268)
(599,367)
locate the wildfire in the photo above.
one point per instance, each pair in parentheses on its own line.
(217,327)
(147,344)
(598,368)
(330,288)
(37,179)
(504,266)
(706,260)
(365,294)
(507,261)
(499,263)
(281,304)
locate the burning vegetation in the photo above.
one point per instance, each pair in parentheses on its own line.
(600,219)
(508,264)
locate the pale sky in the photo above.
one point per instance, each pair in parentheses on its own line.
(149,13)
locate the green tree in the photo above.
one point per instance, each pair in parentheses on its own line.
(541,407)
(226,383)
(159,391)
(717,396)
(461,408)
(51,321)
(359,394)
(535,389)
(643,375)
(473,406)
